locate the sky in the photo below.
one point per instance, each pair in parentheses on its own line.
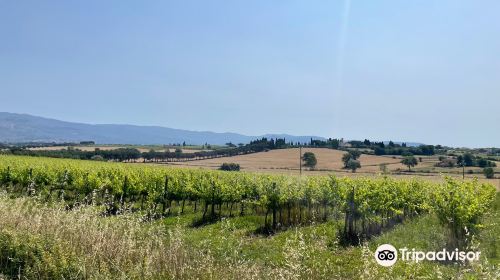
(420,71)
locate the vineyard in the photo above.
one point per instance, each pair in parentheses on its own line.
(365,206)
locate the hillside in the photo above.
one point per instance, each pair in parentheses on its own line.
(16,128)
(287,160)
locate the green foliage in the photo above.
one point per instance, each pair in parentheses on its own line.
(368,203)
(395,149)
(309,159)
(468,159)
(409,161)
(482,162)
(351,155)
(353,165)
(122,247)
(229,167)
(460,205)
(35,257)
(489,172)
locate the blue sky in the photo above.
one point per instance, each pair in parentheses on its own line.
(424,71)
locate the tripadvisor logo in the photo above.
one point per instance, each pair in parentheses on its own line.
(387,255)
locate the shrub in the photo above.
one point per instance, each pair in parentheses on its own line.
(35,257)
(230,167)
(460,205)
(383,168)
(489,173)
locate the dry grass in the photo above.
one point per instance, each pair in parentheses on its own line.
(286,161)
(52,243)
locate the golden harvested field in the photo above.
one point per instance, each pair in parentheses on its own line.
(286,161)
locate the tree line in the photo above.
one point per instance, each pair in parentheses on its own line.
(258,145)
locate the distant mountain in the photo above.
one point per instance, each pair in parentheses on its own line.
(18,128)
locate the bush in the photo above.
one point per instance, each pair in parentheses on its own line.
(35,257)
(383,168)
(460,205)
(489,173)
(230,167)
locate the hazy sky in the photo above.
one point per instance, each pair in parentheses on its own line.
(425,71)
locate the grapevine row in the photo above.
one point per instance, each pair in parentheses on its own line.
(365,205)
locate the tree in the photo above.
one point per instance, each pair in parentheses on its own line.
(351,155)
(409,161)
(379,151)
(346,158)
(468,159)
(485,163)
(489,173)
(309,160)
(355,154)
(353,165)
(482,163)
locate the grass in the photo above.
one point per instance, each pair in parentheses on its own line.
(40,241)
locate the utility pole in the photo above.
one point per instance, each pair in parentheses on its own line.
(300,160)
(463,171)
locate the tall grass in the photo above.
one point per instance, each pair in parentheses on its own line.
(40,241)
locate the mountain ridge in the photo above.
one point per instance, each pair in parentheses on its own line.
(18,128)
